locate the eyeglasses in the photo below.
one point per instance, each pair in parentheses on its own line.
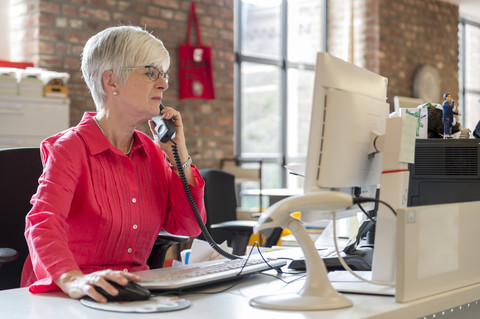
(153,73)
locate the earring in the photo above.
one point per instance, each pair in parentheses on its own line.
(115,93)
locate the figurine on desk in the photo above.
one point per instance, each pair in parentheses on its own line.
(448,107)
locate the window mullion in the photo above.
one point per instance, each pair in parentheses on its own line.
(283,88)
(238,79)
(462,73)
(250,53)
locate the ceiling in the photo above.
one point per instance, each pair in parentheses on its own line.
(469,9)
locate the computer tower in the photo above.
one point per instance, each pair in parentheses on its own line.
(445,171)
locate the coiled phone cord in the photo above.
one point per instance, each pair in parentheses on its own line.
(194,208)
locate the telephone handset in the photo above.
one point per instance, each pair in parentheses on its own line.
(165,129)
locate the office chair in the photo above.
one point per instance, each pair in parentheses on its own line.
(7,255)
(20,169)
(249,173)
(163,242)
(221,205)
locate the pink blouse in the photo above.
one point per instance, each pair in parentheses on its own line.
(95,208)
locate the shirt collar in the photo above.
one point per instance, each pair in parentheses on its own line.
(96,141)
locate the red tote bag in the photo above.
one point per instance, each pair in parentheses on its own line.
(195,76)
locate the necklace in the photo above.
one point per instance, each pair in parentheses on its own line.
(131,143)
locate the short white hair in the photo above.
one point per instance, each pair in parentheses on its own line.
(116,48)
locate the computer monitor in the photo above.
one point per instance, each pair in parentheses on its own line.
(349,111)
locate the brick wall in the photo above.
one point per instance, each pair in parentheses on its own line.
(53,33)
(365,32)
(415,33)
(395,38)
(392,38)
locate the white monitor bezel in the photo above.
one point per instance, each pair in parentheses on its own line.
(334,77)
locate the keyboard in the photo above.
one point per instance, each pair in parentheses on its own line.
(204,273)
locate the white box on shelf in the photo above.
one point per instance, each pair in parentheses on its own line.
(30,87)
(8,81)
(8,86)
(26,121)
(30,83)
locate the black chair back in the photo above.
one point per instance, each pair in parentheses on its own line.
(20,169)
(220,201)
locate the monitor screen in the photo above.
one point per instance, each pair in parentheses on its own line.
(349,110)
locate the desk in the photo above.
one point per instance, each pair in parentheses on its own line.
(19,303)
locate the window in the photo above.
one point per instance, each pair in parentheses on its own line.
(276,45)
(469,73)
(5,27)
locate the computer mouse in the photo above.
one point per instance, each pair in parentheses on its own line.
(130,292)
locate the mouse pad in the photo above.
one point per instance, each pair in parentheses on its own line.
(154,304)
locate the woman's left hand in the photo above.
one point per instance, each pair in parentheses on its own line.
(169,113)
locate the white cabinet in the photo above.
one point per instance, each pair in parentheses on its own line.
(26,121)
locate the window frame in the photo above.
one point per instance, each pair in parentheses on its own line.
(463,89)
(284,65)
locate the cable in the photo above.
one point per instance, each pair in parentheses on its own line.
(359,200)
(201,224)
(194,208)
(366,214)
(228,255)
(239,278)
(340,258)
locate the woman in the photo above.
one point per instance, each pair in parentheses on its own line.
(107,190)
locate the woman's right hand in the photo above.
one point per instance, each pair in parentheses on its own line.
(76,284)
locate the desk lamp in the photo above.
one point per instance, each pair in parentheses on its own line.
(318,293)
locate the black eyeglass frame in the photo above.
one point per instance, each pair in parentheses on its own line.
(153,74)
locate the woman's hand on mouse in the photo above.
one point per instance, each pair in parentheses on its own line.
(77,284)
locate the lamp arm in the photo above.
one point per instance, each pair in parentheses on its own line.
(278,215)
(317,293)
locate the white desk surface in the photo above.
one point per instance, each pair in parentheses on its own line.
(283,192)
(234,303)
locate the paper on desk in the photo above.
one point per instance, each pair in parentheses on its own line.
(346,276)
(253,250)
(345,282)
(202,251)
(407,142)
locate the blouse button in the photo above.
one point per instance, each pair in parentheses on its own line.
(135,226)
(125,270)
(134,200)
(129,250)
